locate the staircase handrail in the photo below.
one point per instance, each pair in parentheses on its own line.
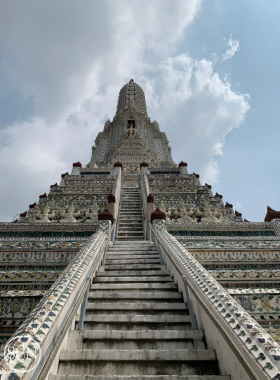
(247,337)
(51,318)
(117,189)
(144,190)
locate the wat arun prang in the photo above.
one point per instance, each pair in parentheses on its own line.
(35,249)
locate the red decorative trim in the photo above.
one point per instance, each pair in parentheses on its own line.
(209,186)
(182,163)
(144,164)
(77,165)
(23,214)
(271,214)
(229,205)
(117,165)
(33,205)
(43,196)
(197,175)
(55,185)
(105,215)
(238,213)
(63,175)
(218,196)
(111,198)
(245,220)
(15,221)
(157,214)
(150,198)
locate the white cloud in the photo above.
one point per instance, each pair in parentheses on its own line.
(233,47)
(73,60)
(237,205)
(197,109)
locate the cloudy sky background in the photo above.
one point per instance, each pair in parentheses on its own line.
(209,69)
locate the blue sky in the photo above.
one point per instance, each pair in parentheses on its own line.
(209,70)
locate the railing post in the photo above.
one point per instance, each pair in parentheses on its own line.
(84,305)
(116,230)
(113,230)
(105,252)
(144,228)
(160,252)
(190,306)
(149,232)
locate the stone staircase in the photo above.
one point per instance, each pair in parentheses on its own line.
(130,221)
(137,325)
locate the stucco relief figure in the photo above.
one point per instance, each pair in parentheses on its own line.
(131,132)
(208,217)
(45,214)
(184,215)
(92,214)
(69,215)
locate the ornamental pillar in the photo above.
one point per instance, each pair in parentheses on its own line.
(111,206)
(183,168)
(150,208)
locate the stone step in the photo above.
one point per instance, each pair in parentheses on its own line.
(143,267)
(117,318)
(138,334)
(118,307)
(138,377)
(125,214)
(123,344)
(130,248)
(136,285)
(133,273)
(133,224)
(132,326)
(130,205)
(116,250)
(134,260)
(144,243)
(132,200)
(137,306)
(123,256)
(134,228)
(129,279)
(135,340)
(116,294)
(124,312)
(130,221)
(123,318)
(129,218)
(133,205)
(138,355)
(130,210)
(128,230)
(126,238)
(129,234)
(130,224)
(137,362)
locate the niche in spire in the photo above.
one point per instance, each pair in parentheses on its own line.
(131,124)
